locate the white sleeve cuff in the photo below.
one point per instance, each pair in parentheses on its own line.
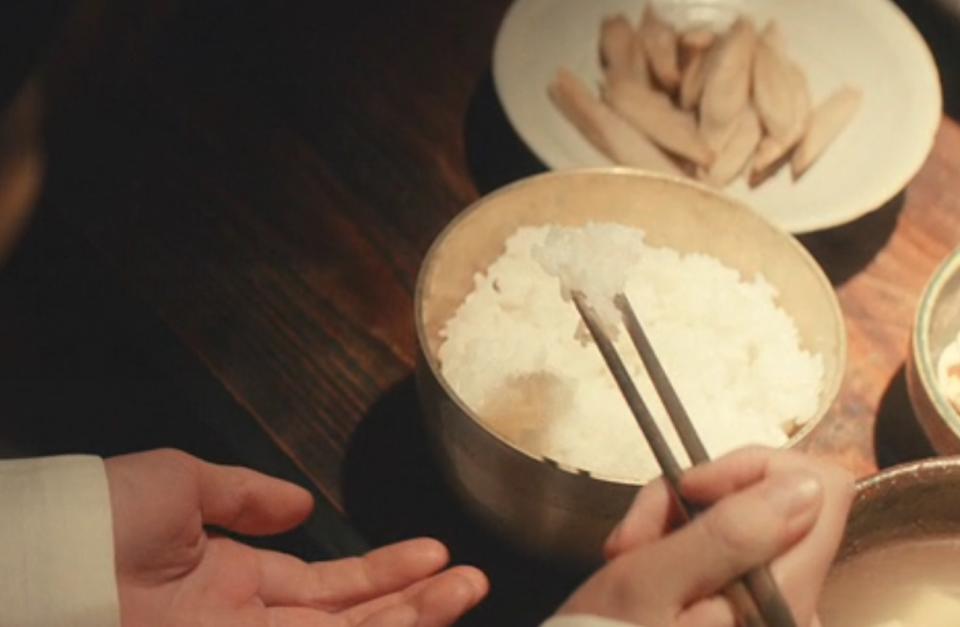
(583,620)
(56,544)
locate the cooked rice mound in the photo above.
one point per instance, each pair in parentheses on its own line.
(512,351)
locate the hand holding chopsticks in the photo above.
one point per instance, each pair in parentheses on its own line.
(756,598)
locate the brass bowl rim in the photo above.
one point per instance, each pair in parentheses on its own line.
(831,389)
(867,528)
(890,483)
(920,468)
(922,358)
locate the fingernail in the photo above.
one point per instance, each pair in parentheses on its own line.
(793,493)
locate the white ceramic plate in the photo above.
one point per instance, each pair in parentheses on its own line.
(866,43)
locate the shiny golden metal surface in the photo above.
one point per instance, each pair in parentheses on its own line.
(536,503)
(936,324)
(911,501)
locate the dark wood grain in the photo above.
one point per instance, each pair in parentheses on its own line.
(86,368)
(271,191)
(266,178)
(269,179)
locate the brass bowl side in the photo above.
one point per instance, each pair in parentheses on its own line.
(540,505)
(936,324)
(535,506)
(911,501)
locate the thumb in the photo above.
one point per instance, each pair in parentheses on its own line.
(246,501)
(745,530)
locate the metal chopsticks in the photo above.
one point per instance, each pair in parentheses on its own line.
(756,597)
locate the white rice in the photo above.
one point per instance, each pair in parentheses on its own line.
(512,355)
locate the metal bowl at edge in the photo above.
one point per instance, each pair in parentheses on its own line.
(910,501)
(936,324)
(913,502)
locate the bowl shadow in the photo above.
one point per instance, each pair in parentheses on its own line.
(844,251)
(496,155)
(393,489)
(898,437)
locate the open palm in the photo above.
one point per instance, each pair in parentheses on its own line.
(172,572)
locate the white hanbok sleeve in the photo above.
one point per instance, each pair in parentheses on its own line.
(56,544)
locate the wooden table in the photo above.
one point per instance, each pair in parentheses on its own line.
(267,178)
(880,265)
